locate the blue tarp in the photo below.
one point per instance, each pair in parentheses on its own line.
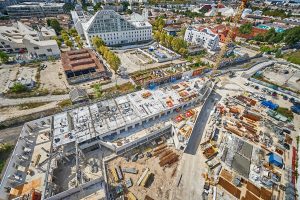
(276,160)
(296,108)
(270,105)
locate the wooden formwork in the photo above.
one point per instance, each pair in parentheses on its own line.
(156,154)
(169,159)
(165,153)
(162,146)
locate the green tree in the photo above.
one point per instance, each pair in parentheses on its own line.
(3,57)
(246,28)
(292,36)
(69,43)
(73,32)
(97,6)
(55,25)
(97,42)
(18,88)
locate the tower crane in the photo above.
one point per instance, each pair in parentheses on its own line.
(229,36)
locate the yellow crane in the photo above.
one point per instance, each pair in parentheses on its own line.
(229,36)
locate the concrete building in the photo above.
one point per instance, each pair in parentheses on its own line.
(35,9)
(82,65)
(203,37)
(20,38)
(113,28)
(48,154)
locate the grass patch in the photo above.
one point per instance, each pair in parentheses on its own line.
(26,106)
(293,57)
(32,93)
(5,150)
(285,112)
(65,103)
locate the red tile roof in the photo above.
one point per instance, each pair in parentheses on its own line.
(80,60)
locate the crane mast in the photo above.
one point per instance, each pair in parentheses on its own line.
(229,36)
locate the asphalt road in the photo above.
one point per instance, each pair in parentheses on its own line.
(198,130)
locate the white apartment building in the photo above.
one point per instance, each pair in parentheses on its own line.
(35,9)
(22,37)
(115,29)
(205,38)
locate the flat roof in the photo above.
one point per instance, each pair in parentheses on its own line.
(106,117)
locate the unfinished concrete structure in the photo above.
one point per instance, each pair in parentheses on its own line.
(56,155)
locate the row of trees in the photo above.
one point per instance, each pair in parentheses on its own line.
(112,59)
(177,44)
(65,37)
(289,37)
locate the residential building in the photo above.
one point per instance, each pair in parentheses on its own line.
(115,29)
(203,37)
(20,37)
(82,65)
(35,9)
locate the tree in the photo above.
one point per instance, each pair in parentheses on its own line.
(55,25)
(245,28)
(18,88)
(73,32)
(97,6)
(97,42)
(3,57)
(292,36)
(69,43)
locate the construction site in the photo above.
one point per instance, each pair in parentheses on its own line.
(64,156)
(139,59)
(248,153)
(280,76)
(146,172)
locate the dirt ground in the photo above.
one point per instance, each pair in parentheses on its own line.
(53,77)
(8,73)
(14,111)
(135,62)
(161,184)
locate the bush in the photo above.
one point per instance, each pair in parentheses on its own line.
(18,88)
(285,112)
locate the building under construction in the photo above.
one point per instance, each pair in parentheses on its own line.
(61,155)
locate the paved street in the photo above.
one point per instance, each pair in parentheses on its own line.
(191,181)
(200,123)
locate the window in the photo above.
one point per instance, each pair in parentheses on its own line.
(49,50)
(36,48)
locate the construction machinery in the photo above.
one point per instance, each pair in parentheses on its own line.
(229,36)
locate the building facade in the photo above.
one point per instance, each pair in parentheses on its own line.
(21,38)
(115,30)
(35,9)
(204,37)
